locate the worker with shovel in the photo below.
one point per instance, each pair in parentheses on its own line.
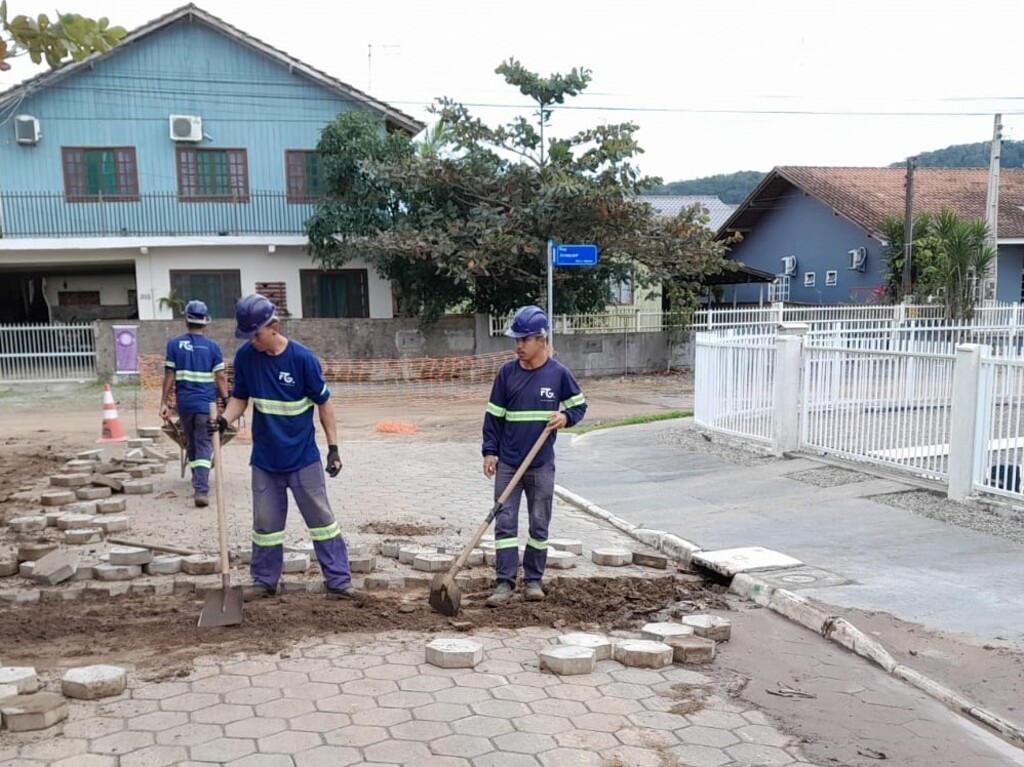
(525,400)
(194,371)
(284,381)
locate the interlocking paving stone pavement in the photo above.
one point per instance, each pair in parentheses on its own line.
(511,714)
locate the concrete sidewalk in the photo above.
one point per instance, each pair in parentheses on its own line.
(944,577)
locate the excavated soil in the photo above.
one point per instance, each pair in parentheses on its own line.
(159,635)
(22,463)
(399,529)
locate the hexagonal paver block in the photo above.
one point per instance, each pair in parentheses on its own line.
(433,562)
(601,646)
(56,497)
(568,660)
(712,627)
(111,505)
(454,653)
(689,650)
(570,545)
(91,682)
(658,632)
(611,557)
(561,560)
(22,678)
(29,524)
(657,561)
(35,711)
(107,572)
(75,521)
(642,653)
(200,564)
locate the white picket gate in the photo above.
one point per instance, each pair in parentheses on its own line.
(47,353)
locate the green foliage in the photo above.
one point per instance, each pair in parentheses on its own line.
(1011,155)
(949,259)
(731,188)
(66,35)
(466,216)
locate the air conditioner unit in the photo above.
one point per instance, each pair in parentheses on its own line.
(858,259)
(789,266)
(186,127)
(26,130)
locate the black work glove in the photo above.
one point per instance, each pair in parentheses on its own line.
(333,457)
(219,425)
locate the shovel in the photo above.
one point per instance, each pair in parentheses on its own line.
(445,595)
(222,607)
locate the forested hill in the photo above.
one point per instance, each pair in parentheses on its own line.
(733,188)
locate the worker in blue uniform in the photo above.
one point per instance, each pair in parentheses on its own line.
(284,381)
(194,371)
(530,393)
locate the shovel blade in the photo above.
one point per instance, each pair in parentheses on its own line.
(223,607)
(445,595)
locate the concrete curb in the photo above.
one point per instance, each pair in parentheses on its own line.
(802,611)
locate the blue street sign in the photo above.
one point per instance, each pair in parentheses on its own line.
(575,255)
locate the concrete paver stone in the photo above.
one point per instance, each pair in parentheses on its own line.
(111,505)
(82,536)
(55,567)
(130,555)
(561,560)
(76,521)
(602,646)
(27,524)
(56,497)
(659,632)
(164,564)
(107,572)
(687,650)
(91,682)
(23,678)
(713,627)
(433,563)
(729,562)
(567,660)
(34,711)
(454,653)
(295,562)
(642,653)
(608,557)
(570,545)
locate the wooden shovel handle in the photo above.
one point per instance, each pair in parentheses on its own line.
(464,556)
(218,484)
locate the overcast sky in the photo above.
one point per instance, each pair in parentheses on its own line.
(715,87)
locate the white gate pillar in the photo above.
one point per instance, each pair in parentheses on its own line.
(963,420)
(789,346)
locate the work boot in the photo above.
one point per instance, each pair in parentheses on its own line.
(501,594)
(533,591)
(349,592)
(256,591)
(202,500)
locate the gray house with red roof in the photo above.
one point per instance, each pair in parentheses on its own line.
(820,229)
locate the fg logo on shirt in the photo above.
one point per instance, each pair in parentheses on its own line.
(546,392)
(286,378)
(186,344)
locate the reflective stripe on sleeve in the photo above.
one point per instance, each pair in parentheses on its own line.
(497,412)
(576,401)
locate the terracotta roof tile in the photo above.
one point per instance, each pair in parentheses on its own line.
(866,196)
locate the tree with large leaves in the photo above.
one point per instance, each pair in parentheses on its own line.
(464,218)
(67,36)
(950,257)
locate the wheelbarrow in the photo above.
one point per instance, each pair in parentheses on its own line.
(173,429)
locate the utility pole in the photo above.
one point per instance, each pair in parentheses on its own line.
(992,210)
(908,229)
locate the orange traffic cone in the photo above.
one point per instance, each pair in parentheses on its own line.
(112,431)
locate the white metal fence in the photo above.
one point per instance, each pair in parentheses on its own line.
(621,320)
(46,353)
(935,407)
(740,369)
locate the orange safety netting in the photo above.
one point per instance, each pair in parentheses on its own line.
(426,379)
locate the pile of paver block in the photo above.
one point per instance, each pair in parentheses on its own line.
(24,706)
(691,641)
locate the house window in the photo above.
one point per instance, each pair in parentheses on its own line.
(622,291)
(212,175)
(336,293)
(809,278)
(218,289)
(78,298)
(304,175)
(95,173)
(831,278)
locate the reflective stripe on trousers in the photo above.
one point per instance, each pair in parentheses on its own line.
(270,513)
(199,451)
(539,486)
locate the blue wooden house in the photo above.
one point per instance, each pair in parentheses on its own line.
(819,230)
(180,164)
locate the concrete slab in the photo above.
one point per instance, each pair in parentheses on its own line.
(691,650)
(607,557)
(602,646)
(55,567)
(728,562)
(130,555)
(77,479)
(642,653)
(92,493)
(22,678)
(568,660)
(56,497)
(75,521)
(165,564)
(27,524)
(33,550)
(454,653)
(106,572)
(111,505)
(82,536)
(713,627)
